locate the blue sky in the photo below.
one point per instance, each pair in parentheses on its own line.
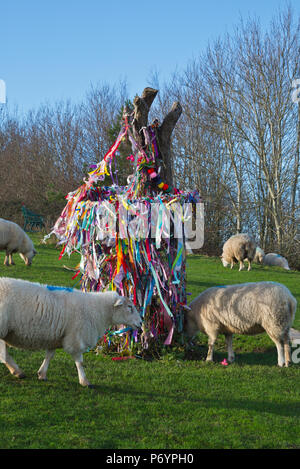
(52,50)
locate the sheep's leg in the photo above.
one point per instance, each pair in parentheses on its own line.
(81,374)
(287,350)
(231,264)
(211,342)
(287,354)
(280,353)
(230,352)
(279,346)
(9,362)
(2,351)
(42,373)
(249,265)
(10,259)
(241,266)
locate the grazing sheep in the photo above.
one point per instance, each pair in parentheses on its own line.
(239,247)
(248,308)
(273,259)
(259,256)
(35,317)
(14,239)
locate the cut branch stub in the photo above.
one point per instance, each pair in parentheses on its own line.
(141,110)
(164,131)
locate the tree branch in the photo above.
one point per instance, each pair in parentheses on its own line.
(164,133)
(141,111)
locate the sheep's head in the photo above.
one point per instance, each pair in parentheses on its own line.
(259,255)
(224,261)
(261,258)
(28,256)
(126,313)
(190,327)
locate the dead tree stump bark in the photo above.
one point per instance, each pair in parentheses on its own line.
(164,131)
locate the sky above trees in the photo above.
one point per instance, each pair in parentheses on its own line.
(56,49)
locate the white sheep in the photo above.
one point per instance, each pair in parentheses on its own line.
(239,247)
(273,259)
(259,256)
(35,317)
(248,308)
(14,239)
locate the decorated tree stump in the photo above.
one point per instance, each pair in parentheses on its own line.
(131,238)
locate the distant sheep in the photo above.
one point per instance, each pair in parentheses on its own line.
(249,308)
(238,248)
(14,239)
(273,259)
(35,317)
(259,256)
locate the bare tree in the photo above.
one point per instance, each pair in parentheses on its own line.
(239,123)
(100,108)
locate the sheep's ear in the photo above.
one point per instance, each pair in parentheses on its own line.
(120,301)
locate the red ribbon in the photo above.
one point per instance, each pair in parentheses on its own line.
(121,358)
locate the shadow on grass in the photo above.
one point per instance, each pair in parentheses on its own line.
(261,352)
(268,359)
(282,408)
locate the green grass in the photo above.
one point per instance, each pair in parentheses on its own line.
(162,404)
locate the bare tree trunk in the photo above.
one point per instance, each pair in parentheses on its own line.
(164,131)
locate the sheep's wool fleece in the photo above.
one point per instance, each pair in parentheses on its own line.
(12,234)
(273,259)
(248,308)
(40,316)
(239,246)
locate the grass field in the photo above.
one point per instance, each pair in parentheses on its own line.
(162,404)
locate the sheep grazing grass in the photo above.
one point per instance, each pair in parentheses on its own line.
(239,248)
(13,239)
(249,308)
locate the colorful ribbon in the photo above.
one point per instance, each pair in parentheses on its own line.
(105,225)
